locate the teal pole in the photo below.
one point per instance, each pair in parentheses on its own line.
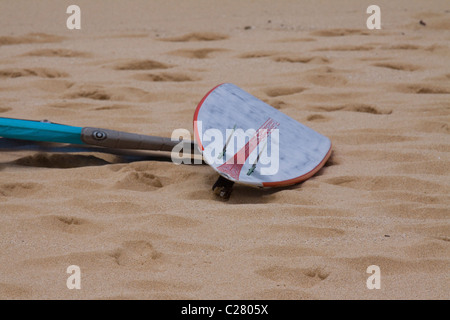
(39,131)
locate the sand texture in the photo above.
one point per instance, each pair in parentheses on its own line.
(151,229)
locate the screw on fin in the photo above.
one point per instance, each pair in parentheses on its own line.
(223,187)
(224,150)
(252,169)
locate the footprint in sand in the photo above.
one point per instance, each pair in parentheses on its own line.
(423,89)
(276,103)
(402,46)
(327,80)
(340,32)
(326,77)
(197,36)
(96,92)
(306,39)
(256,54)
(364,108)
(136,253)
(18,189)
(397,66)
(197,53)
(288,58)
(317,118)
(283,91)
(353,107)
(30,38)
(32,72)
(301,59)
(139,177)
(69,224)
(139,181)
(60,53)
(365,47)
(74,106)
(140,65)
(114,107)
(164,77)
(301,277)
(63,161)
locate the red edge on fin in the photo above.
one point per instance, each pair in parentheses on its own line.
(197,137)
(300,178)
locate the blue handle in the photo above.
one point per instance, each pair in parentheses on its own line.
(39,131)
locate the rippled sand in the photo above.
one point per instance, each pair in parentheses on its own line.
(153,230)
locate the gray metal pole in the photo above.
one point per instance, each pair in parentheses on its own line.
(124,140)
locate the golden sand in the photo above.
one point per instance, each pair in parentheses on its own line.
(155,230)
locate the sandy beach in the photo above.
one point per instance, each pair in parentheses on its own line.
(151,229)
